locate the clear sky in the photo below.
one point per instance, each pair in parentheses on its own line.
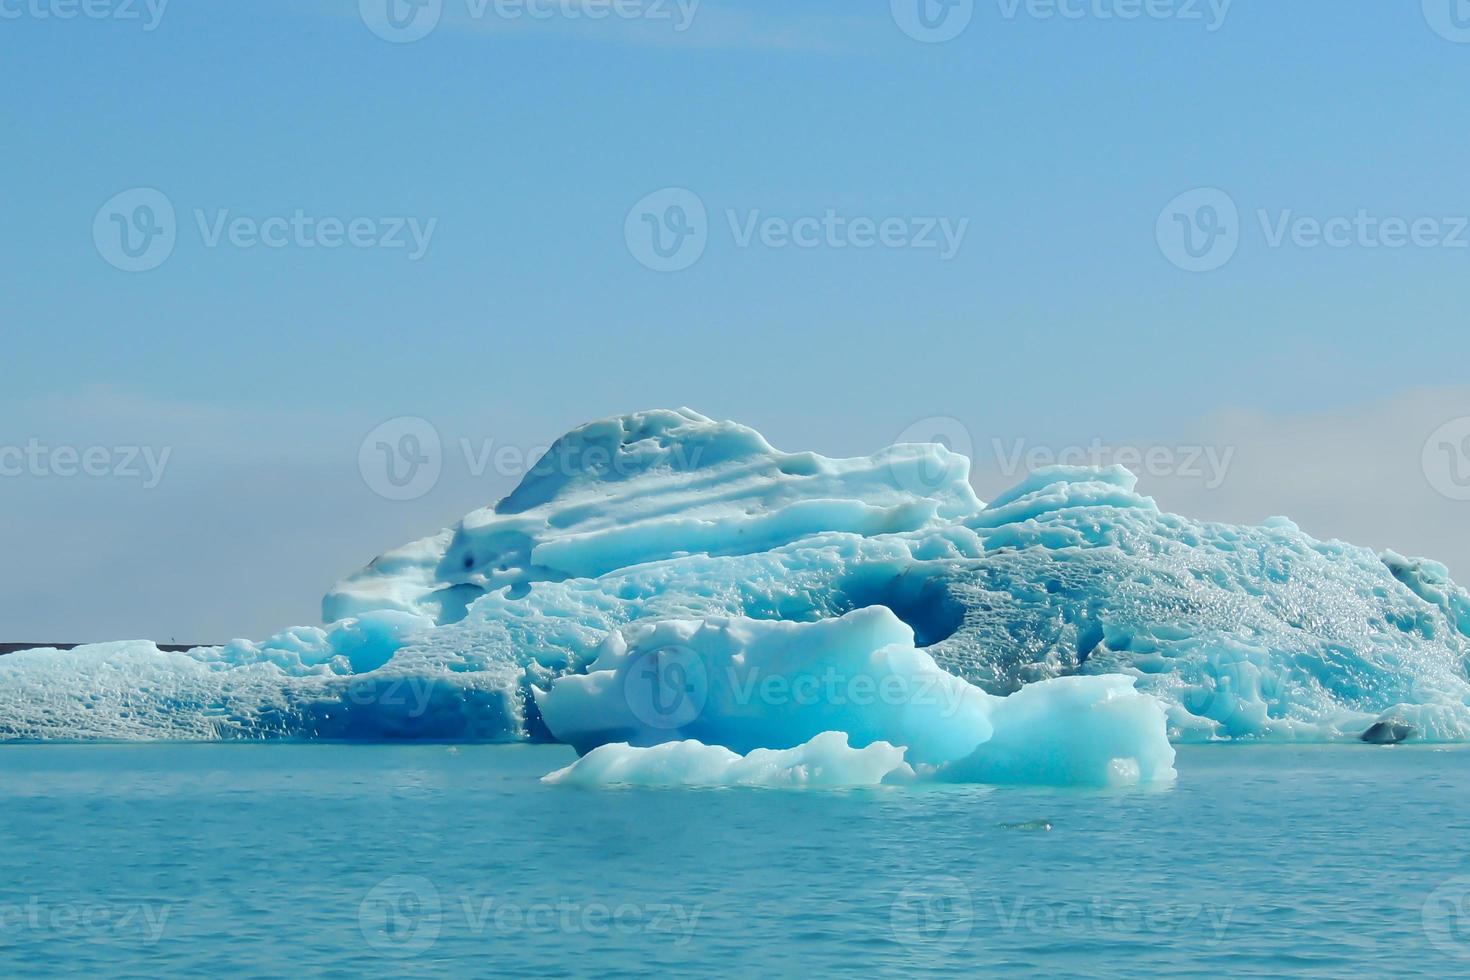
(986,230)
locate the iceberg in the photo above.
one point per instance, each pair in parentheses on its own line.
(1066,631)
(748,686)
(826,761)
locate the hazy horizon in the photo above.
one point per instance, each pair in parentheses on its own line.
(1245,233)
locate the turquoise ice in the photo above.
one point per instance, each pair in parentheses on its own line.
(1118,624)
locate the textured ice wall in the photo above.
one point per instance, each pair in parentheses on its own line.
(1240,632)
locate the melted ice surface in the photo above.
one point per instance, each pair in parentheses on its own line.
(1069,623)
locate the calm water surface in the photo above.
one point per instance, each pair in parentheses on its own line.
(302,860)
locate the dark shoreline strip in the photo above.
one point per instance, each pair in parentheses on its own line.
(15,647)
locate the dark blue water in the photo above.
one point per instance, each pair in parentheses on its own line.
(263,860)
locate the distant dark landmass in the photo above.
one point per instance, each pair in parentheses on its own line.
(13,647)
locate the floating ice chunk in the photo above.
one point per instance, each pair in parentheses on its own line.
(1072,731)
(748,684)
(825,761)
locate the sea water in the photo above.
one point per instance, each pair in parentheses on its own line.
(343,859)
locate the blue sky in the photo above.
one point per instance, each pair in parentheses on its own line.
(523,143)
